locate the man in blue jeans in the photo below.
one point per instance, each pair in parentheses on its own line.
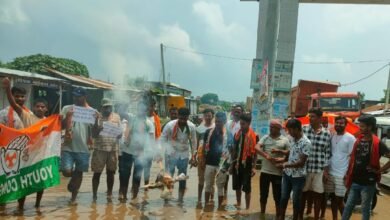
(133,152)
(294,169)
(179,137)
(364,170)
(78,139)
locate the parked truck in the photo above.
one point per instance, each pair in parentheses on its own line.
(323,94)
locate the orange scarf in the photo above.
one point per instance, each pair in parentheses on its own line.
(248,146)
(207,144)
(374,158)
(11,116)
(176,129)
(157,129)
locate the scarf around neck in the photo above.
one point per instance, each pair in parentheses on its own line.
(11,118)
(248,147)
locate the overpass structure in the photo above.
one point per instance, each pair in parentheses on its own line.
(273,66)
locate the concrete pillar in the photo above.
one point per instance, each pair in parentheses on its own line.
(276,36)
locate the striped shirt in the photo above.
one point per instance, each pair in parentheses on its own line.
(320,152)
(109,144)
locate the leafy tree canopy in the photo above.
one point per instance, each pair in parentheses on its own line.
(38,62)
(209,98)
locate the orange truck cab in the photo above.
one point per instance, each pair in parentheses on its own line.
(339,103)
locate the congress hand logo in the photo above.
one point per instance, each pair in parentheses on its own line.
(10,155)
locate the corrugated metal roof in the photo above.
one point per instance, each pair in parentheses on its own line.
(12,72)
(169,84)
(83,80)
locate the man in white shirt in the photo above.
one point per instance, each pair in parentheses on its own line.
(140,136)
(232,127)
(155,119)
(179,137)
(208,115)
(341,147)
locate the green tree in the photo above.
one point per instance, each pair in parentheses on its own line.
(362,96)
(209,98)
(38,62)
(384,97)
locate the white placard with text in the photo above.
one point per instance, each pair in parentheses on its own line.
(84,115)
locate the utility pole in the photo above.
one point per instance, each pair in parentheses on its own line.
(387,92)
(163,68)
(274,56)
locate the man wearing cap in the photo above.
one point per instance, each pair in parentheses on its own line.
(106,148)
(271,146)
(75,150)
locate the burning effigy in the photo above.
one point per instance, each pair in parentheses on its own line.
(165,183)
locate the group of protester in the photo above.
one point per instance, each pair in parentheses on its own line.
(320,163)
(309,161)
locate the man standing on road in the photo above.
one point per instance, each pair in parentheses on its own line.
(341,144)
(364,170)
(106,148)
(294,171)
(78,139)
(140,135)
(232,127)
(208,115)
(179,137)
(318,161)
(269,172)
(149,152)
(28,119)
(244,160)
(9,117)
(214,148)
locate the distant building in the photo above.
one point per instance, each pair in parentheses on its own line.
(37,86)
(369,103)
(56,87)
(176,97)
(172,89)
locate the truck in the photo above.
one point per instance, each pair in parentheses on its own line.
(323,94)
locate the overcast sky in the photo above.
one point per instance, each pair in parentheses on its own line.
(115,38)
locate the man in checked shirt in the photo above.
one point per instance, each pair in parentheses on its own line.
(318,161)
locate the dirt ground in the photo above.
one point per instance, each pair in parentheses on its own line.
(150,206)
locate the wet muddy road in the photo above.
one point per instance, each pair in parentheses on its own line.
(150,206)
